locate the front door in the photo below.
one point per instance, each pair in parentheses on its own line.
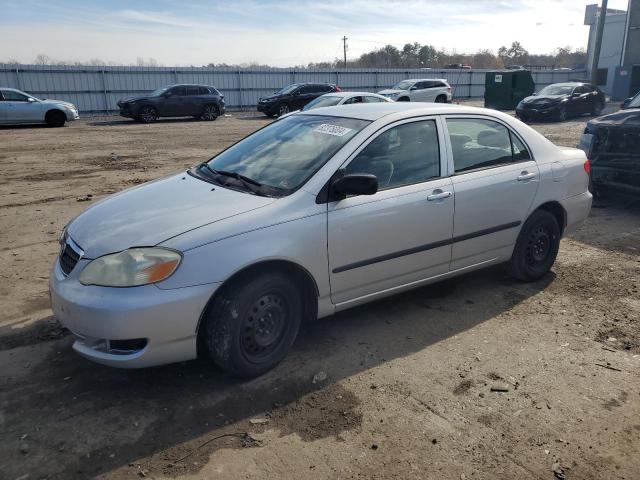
(18,108)
(401,234)
(495,182)
(175,104)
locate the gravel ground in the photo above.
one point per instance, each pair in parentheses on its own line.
(476,377)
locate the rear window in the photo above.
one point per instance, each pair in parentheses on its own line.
(323,101)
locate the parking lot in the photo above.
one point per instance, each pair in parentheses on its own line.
(476,377)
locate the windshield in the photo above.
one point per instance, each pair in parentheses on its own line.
(403,85)
(287,153)
(556,90)
(635,103)
(323,101)
(288,89)
(159,91)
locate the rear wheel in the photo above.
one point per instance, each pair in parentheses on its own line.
(537,246)
(55,118)
(148,114)
(209,113)
(441,99)
(251,325)
(597,108)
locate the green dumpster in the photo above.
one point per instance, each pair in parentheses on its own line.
(504,89)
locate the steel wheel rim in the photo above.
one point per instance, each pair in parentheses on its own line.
(284,109)
(264,326)
(539,246)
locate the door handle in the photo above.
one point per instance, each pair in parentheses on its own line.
(524,176)
(438,196)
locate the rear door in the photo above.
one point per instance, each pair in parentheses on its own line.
(194,101)
(401,234)
(495,181)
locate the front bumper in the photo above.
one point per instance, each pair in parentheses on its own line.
(163,323)
(72,115)
(537,113)
(266,108)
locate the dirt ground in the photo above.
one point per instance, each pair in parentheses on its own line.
(479,377)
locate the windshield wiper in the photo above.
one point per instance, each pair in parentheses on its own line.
(249,183)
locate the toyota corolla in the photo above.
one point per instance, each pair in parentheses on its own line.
(311,215)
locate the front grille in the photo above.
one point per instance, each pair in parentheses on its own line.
(68,258)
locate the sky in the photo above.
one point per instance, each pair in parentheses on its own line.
(278,33)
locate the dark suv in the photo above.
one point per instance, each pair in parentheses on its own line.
(199,101)
(293,97)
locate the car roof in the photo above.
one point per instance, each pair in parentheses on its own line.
(351,94)
(424,80)
(571,84)
(375,111)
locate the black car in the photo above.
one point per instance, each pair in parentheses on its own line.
(631,102)
(293,97)
(199,101)
(612,144)
(560,101)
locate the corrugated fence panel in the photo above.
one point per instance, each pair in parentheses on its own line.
(98,89)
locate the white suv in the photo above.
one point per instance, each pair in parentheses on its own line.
(420,90)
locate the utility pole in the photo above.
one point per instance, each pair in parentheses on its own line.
(344,43)
(598,42)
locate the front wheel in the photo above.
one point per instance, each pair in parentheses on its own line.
(148,114)
(283,109)
(251,325)
(55,118)
(537,247)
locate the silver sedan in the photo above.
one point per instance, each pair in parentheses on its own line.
(19,107)
(311,215)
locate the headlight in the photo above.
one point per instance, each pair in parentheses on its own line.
(131,268)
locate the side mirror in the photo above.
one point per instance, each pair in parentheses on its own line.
(31,100)
(355,184)
(414,88)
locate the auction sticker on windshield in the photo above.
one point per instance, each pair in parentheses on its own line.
(329,129)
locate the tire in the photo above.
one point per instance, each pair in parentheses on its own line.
(55,118)
(441,99)
(283,109)
(148,114)
(403,99)
(209,112)
(251,325)
(537,247)
(561,116)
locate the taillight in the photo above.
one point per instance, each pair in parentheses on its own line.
(587,166)
(338,89)
(449,88)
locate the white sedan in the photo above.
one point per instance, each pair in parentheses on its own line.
(341,98)
(310,215)
(20,107)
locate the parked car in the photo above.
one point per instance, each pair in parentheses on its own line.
(560,101)
(293,97)
(631,102)
(341,98)
(308,216)
(612,143)
(198,101)
(457,66)
(420,90)
(19,107)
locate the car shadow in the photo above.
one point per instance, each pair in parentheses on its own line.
(79,419)
(24,126)
(130,121)
(613,224)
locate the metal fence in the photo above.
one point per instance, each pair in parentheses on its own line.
(97,89)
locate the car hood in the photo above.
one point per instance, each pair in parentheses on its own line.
(51,101)
(627,118)
(272,97)
(157,211)
(133,99)
(391,91)
(533,99)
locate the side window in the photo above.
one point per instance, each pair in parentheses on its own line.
(307,89)
(203,91)
(478,143)
(177,92)
(353,100)
(580,90)
(420,85)
(369,99)
(325,88)
(11,96)
(193,91)
(520,152)
(402,155)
